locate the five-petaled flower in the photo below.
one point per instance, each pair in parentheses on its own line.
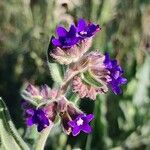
(86,30)
(81,123)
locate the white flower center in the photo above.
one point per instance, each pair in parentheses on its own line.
(83,32)
(79,122)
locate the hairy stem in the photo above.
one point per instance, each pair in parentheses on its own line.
(41,141)
(66,82)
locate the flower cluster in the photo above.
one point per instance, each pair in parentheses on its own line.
(44,116)
(71,45)
(87,74)
(102,74)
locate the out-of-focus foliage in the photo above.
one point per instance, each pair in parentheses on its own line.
(121,122)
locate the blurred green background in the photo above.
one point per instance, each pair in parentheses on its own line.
(121,122)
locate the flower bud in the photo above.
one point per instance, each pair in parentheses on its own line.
(37,94)
(51,110)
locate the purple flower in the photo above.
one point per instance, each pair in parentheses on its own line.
(38,117)
(67,111)
(66,39)
(115,74)
(81,123)
(86,30)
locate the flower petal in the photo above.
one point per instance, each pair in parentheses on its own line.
(93,28)
(122,80)
(72,123)
(61,31)
(90,117)
(76,131)
(116,89)
(72,31)
(29,121)
(30,111)
(81,25)
(56,42)
(86,128)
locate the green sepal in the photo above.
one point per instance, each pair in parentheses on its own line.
(89,79)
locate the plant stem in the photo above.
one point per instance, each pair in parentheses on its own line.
(41,141)
(66,82)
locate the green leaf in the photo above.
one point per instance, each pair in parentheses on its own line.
(56,70)
(8,133)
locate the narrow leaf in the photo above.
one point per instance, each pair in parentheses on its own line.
(56,70)
(8,133)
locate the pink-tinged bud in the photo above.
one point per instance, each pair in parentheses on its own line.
(39,94)
(62,104)
(97,67)
(48,93)
(93,80)
(71,54)
(34,91)
(87,90)
(51,110)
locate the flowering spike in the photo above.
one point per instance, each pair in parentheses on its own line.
(89,73)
